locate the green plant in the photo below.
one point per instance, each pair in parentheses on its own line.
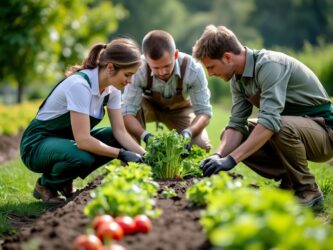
(168,192)
(164,154)
(125,191)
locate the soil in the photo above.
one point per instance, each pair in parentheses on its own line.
(178,227)
(9,147)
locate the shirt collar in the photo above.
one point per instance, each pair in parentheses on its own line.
(93,77)
(249,64)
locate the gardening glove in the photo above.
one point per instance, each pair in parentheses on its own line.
(215,164)
(129,156)
(186,133)
(146,136)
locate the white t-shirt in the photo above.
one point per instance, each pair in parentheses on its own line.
(75,94)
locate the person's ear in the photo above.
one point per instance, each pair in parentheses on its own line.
(227,57)
(109,66)
(176,54)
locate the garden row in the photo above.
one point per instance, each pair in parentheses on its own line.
(234,215)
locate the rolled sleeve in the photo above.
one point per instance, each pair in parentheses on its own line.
(273,78)
(132,96)
(198,90)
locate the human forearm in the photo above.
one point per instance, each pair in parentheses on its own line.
(230,140)
(198,124)
(133,126)
(259,136)
(95,146)
(128,142)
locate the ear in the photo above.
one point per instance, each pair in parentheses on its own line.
(109,66)
(176,54)
(227,57)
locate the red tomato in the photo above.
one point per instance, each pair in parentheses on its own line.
(110,230)
(142,223)
(114,247)
(100,219)
(87,242)
(127,224)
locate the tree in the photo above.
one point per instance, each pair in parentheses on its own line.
(291,23)
(36,35)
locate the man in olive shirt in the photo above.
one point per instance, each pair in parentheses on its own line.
(295,118)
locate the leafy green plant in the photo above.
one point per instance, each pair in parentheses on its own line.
(168,192)
(164,154)
(125,191)
(239,217)
(246,218)
(199,191)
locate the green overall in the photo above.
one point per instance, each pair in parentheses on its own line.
(48,147)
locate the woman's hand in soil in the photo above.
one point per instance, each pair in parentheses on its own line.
(214,164)
(129,156)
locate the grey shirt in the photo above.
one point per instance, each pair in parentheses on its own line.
(278,78)
(195,87)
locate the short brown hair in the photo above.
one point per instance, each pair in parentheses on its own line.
(156,42)
(215,41)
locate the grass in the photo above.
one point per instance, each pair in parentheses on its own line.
(17,182)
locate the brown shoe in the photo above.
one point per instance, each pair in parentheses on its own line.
(310,198)
(48,196)
(68,190)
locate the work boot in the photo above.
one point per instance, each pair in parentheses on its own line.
(310,198)
(68,190)
(48,196)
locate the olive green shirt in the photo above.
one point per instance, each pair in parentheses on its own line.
(278,79)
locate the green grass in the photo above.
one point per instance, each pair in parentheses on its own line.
(17,182)
(16,186)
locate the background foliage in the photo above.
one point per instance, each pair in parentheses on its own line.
(40,38)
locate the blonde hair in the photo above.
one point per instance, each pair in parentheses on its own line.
(214,42)
(121,52)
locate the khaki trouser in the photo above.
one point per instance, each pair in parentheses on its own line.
(287,153)
(177,119)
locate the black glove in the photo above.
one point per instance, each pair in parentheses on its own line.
(186,133)
(147,136)
(215,164)
(129,156)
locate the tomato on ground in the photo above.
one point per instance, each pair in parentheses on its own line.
(127,224)
(111,230)
(142,223)
(100,219)
(87,242)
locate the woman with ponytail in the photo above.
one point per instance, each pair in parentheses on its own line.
(61,141)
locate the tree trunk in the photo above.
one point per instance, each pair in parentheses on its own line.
(19,92)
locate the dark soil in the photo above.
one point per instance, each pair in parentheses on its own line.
(177,228)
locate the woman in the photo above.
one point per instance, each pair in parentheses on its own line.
(61,143)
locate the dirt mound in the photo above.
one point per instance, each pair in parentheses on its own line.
(9,147)
(178,228)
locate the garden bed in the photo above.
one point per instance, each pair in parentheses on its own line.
(177,228)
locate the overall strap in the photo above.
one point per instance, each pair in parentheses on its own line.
(147,89)
(85,76)
(179,88)
(240,83)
